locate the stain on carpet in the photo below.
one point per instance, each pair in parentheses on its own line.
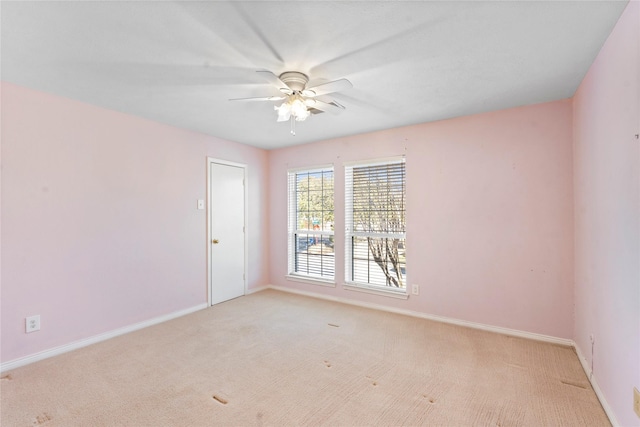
(42,419)
(373,382)
(574,384)
(220,399)
(430,399)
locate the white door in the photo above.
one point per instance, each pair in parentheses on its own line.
(226,213)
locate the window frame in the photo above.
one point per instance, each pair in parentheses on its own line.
(350,283)
(293,230)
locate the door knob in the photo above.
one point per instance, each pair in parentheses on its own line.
(215,241)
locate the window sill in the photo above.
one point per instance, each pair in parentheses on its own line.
(400,294)
(311,280)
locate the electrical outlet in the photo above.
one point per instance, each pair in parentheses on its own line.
(32,323)
(415,289)
(636,401)
(200,204)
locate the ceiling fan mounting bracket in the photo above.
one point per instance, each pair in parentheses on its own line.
(295,80)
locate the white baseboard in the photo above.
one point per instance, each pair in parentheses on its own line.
(505,331)
(596,388)
(474,325)
(254,290)
(97,338)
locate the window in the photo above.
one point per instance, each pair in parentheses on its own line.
(311,220)
(375,227)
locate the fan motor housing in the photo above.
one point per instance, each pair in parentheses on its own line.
(295,80)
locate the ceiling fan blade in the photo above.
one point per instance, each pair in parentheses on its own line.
(274,80)
(260,98)
(365,100)
(157,74)
(330,87)
(367,57)
(330,100)
(325,106)
(257,31)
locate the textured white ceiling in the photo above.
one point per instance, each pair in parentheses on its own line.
(409,62)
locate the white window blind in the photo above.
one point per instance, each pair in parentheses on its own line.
(311,223)
(375,226)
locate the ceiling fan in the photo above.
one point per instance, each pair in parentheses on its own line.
(299,100)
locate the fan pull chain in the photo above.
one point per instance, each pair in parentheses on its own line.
(293,125)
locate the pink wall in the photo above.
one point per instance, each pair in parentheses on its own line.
(489,215)
(99,222)
(607,215)
(100,230)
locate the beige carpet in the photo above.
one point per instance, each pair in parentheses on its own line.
(278,359)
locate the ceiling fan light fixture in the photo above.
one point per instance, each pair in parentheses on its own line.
(299,109)
(284,112)
(299,101)
(294,107)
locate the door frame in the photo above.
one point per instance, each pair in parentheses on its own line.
(210,161)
